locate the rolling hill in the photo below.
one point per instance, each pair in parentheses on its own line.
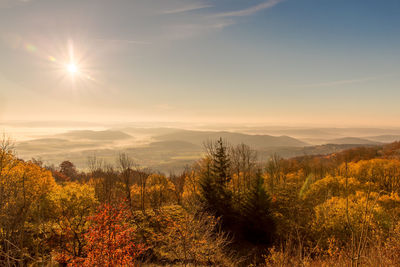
(353,141)
(384,138)
(171,148)
(255,141)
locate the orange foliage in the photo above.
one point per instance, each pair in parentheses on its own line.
(110,240)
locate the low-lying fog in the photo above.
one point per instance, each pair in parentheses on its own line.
(169,147)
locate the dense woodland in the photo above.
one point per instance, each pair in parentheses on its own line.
(228,209)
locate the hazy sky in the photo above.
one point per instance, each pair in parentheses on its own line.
(331,62)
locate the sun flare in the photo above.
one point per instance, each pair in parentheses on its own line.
(72,68)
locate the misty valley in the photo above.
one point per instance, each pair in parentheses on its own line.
(172,149)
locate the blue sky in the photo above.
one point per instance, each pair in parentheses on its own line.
(325,62)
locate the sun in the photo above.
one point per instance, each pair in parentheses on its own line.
(72,68)
(72,65)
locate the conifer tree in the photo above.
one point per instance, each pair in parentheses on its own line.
(215,195)
(257,222)
(220,163)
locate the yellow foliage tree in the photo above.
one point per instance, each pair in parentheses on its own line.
(72,203)
(24,198)
(159,190)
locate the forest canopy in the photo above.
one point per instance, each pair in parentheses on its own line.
(228,209)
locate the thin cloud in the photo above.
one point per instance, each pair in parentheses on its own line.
(185,31)
(186,8)
(251,10)
(343,82)
(213,22)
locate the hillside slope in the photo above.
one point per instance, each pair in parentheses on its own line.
(255,141)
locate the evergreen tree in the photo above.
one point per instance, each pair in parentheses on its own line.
(220,163)
(215,195)
(209,195)
(252,220)
(257,222)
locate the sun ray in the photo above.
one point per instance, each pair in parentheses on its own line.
(72,68)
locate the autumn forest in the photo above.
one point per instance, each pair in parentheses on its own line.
(227,209)
(232,133)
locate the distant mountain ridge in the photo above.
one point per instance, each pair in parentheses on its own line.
(256,141)
(353,140)
(168,149)
(384,138)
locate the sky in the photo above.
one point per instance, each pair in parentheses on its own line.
(285,62)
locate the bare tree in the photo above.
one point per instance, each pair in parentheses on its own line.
(196,240)
(95,164)
(243,161)
(140,176)
(126,164)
